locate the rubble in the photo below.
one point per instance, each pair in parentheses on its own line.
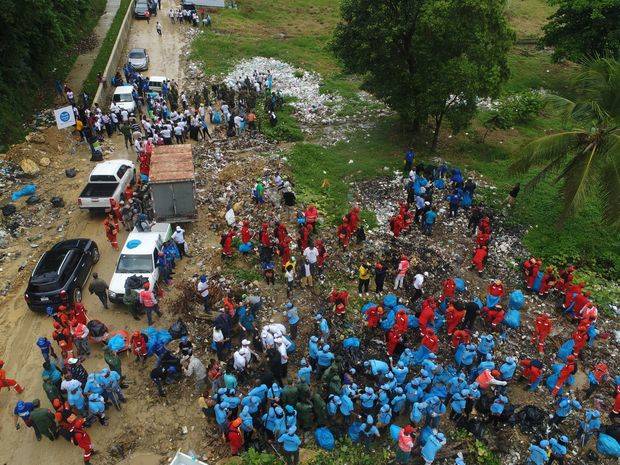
(29,167)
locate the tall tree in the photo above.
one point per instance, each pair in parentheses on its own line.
(426,58)
(581,28)
(585,156)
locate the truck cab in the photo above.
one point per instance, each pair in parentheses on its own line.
(138,258)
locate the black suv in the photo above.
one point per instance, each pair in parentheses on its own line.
(65,267)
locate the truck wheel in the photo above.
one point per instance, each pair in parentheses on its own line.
(77,294)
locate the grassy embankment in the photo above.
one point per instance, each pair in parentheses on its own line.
(298,32)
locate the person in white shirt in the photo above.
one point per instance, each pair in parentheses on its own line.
(240,363)
(418,283)
(196,369)
(281,346)
(179,239)
(289,275)
(124,115)
(203,289)
(218,339)
(311,254)
(137,145)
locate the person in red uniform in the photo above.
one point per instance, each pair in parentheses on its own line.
(427,315)
(265,240)
(580,337)
(227,249)
(304,236)
(373,316)
(344,235)
(405,214)
(393,338)
(615,412)
(533,274)
(479,259)
(494,316)
(449,288)
(111,230)
(116,210)
(430,341)
(401,321)
(145,165)
(571,292)
(339,298)
(234,437)
(565,278)
(547,283)
(281,232)
(312,215)
(460,336)
(531,371)
(128,193)
(454,316)
(396,225)
(80,438)
(568,369)
(138,346)
(320,260)
(542,329)
(8,382)
(229,305)
(496,288)
(482,239)
(485,225)
(354,220)
(581,300)
(285,251)
(79,313)
(62,334)
(246,235)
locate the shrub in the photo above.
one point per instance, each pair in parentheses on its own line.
(516,109)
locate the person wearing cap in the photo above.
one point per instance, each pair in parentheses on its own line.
(323,326)
(406,441)
(96,407)
(369,430)
(202,287)
(313,351)
(234,437)
(8,382)
(46,348)
(178,236)
(221,411)
(43,422)
(368,399)
(23,410)
(304,373)
(539,453)
(324,359)
(333,406)
(400,372)
(458,402)
(290,444)
(429,220)
(100,288)
(149,302)
(599,375)
(590,426)
(565,405)
(80,438)
(497,408)
(196,369)
(508,368)
(77,370)
(292,314)
(399,401)
(562,375)
(559,449)
(80,333)
(434,442)
(384,417)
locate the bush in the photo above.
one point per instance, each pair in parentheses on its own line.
(286,130)
(516,109)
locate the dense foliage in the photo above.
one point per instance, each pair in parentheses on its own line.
(35,41)
(515,109)
(583,28)
(426,58)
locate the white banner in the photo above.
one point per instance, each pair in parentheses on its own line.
(64,117)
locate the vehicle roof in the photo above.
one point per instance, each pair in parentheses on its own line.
(123,89)
(158,78)
(148,241)
(137,49)
(172,163)
(109,166)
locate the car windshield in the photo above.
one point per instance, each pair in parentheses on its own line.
(136,54)
(135,264)
(123,97)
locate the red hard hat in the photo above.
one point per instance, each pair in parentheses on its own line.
(56,403)
(147,285)
(1,363)
(495,373)
(63,293)
(570,358)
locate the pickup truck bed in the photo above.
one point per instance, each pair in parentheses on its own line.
(97,189)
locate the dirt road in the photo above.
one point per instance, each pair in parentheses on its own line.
(19,327)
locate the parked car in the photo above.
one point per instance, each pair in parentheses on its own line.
(156,83)
(140,9)
(138,258)
(123,98)
(138,59)
(65,267)
(108,180)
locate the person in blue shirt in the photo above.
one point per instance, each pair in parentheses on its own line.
(434,443)
(467,356)
(252,403)
(274,392)
(292,314)
(417,412)
(22,410)
(409,158)
(53,373)
(274,422)
(368,430)
(559,449)
(221,416)
(367,399)
(413,391)
(459,460)
(399,401)
(472,397)
(323,326)
(458,403)
(425,379)
(304,372)
(390,382)
(429,220)
(434,411)
(497,407)
(590,426)
(376,367)
(383,397)
(93,386)
(290,443)
(406,357)
(487,363)
(485,346)
(333,405)
(313,351)
(454,200)
(247,424)
(508,368)
(400,372)
(384,418)
(290,416)
(564,407)
(75,397)
(346,407)
(96,406)
(457,384)
(538,453)
(324,358)
(46,348)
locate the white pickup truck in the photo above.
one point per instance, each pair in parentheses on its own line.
(138,257)
(108,180)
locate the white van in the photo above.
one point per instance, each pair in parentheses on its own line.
(123,98)
(138,257)
(156,83)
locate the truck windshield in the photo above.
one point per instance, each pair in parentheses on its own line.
(135,264)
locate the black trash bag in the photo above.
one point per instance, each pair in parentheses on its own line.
(96,328)
(9,209)
(475,427)
(530,419)
(178,329)
(70,172)
(57,202)
(484,404)
(135,282)
(33,199)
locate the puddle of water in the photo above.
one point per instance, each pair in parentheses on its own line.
(141,458)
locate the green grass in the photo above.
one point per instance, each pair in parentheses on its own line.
(101,60)
(287,129)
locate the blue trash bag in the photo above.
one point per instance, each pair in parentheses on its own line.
(512,319)
(461,286)
(367,306)
(413,322)
(537,281)
(151,343)
(25,191)
(389,301)
(163,337)
(467,200)
(217,119)
(144,179)
(246,247)
(516,300)
(607,445)
(440,320)
(478,302)
(439,183)
(354,431)
(324,438)
(492,300)
(459,353)
(351,343)
(566,349)
(394,432)
(116,343)
(388,320)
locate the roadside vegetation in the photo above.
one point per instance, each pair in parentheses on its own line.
(300,32)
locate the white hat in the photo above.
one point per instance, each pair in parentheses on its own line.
(72,361)
(245,342)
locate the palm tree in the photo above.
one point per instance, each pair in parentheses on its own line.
(586,156)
